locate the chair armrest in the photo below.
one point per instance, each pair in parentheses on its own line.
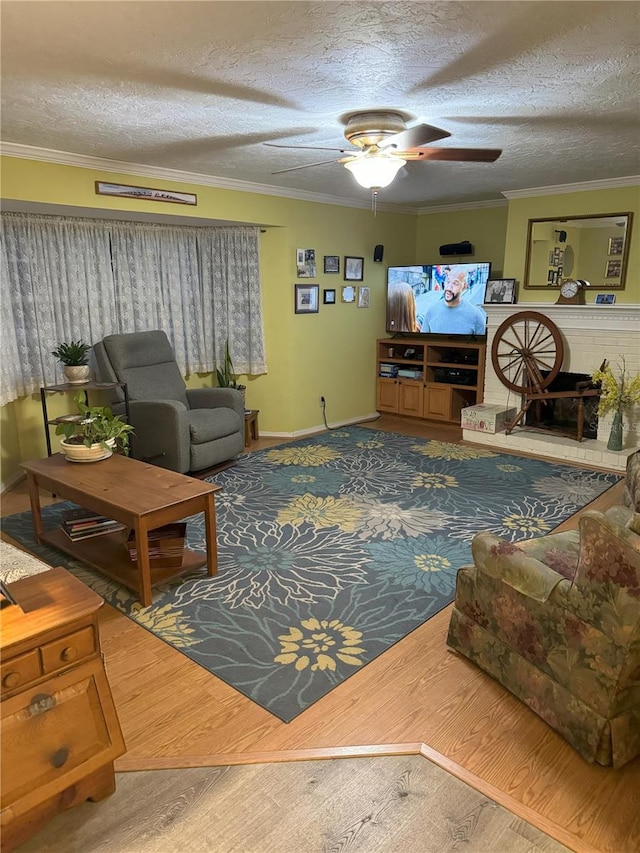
(215,398)
(504,561)
(161,433)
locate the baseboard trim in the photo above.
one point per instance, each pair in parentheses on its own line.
(302,433)
(13,481)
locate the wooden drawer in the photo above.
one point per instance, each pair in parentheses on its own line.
(18,671)
(57,732)
(67,650)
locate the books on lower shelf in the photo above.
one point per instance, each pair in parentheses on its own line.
(166,545)
(85,524)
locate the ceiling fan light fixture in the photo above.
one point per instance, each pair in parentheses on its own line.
(373,171)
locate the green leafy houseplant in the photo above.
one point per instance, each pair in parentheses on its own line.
(226,376)
(96,425)
(73,354)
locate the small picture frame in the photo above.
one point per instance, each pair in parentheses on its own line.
(501,291)
(605,298)
(306,263)
(613,269)
(306,298)
(364,297)
(551,277)
(329,297)
(353,268)
(348,293)
(616,244)
(331,264)
(551,258)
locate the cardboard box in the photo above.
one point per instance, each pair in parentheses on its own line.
(486,418)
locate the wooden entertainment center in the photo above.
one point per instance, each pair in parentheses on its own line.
(429,378)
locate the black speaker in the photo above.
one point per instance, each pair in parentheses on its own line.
(464,248)
(378,253)
(562,236)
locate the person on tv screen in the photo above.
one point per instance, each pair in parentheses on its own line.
(452,314)
(401,308)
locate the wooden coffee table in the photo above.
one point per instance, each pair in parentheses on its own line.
(138,495)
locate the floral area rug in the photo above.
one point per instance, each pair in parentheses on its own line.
(331,549)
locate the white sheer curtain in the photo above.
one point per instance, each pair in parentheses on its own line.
(67,279)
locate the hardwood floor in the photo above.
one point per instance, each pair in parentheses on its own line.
(173,714)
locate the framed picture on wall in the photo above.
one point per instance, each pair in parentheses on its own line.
(329,297)
(353,268)
(613,269)
(348,293)
(306,298)
(615,245)
(364,297)
(501,290)
(331,263)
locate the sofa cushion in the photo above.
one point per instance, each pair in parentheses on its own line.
(559,551)
(210,424)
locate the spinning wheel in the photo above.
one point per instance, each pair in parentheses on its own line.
(524,346)
(527,355)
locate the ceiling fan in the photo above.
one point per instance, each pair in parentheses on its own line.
(383,144)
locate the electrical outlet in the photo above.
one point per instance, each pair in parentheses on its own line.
(322,401)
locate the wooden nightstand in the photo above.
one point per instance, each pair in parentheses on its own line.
(60,731)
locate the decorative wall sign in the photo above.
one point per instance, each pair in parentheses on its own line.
(306,299)
(306,263)
(145,193)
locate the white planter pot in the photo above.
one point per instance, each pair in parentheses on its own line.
(82,453)
(77,374)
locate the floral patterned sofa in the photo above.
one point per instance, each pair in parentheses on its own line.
(556,620)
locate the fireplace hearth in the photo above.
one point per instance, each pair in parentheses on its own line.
(561,414)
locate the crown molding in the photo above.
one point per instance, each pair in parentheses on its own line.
(469,205)
(560,189)
(83,161)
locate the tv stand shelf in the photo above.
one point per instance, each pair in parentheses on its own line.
(425,378)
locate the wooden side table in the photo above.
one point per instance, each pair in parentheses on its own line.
(251,427)
(60,730)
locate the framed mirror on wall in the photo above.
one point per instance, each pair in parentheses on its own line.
(593,247)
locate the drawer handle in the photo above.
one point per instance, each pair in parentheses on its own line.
(69,653)
(59,757)
(12,679)
(40,704)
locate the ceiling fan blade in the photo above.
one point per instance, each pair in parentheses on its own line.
(414,137)
(306,166)
(308,147)
(470,155)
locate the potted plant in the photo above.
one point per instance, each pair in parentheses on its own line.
(74,357)
(95,434)
(618,395)
(226,376)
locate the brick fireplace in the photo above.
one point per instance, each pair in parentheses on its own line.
(590,334)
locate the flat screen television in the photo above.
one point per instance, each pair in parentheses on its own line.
(443,299)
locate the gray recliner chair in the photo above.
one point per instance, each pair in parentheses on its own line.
(175,427)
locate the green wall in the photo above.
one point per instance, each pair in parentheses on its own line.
(483,227)
(330,353)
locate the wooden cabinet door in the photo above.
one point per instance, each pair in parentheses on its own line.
(387,395)
(56,733)
(437,402)
(410,402)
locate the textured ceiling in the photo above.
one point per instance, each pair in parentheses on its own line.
(199,86)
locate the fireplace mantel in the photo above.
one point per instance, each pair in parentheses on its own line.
(590,334)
